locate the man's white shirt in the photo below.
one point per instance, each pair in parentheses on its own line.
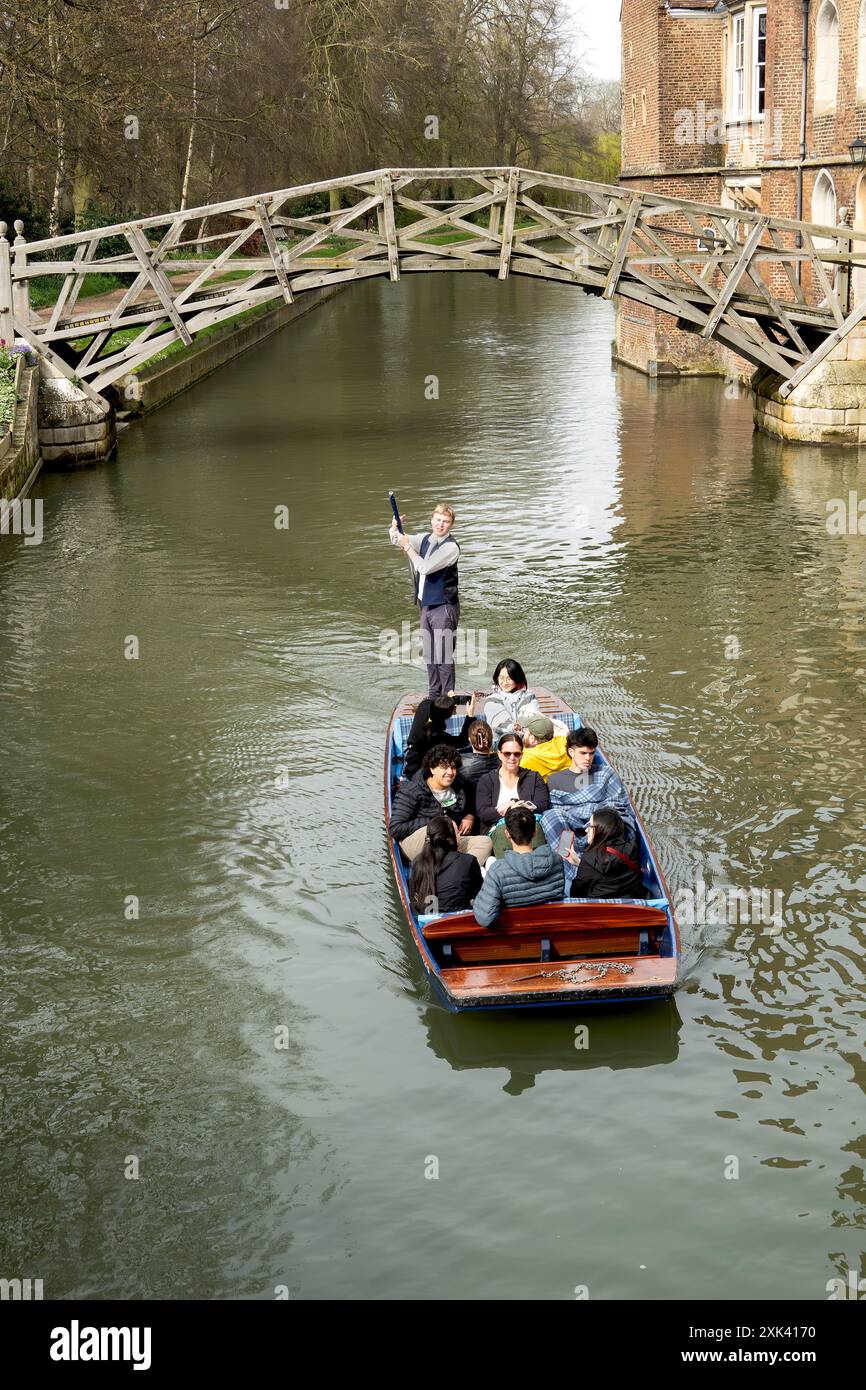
(439,556)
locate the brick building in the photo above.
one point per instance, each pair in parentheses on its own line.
(715,108)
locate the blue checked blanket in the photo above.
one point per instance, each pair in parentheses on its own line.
(571,810)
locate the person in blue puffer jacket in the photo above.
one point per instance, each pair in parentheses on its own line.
(524,876)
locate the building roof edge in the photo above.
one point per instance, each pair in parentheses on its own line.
(689,9)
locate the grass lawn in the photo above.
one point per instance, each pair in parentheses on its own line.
(44,291)
(124,336)
(177,349)
(437,236)
(119,339)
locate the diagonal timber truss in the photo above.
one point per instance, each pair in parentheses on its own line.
(774,290)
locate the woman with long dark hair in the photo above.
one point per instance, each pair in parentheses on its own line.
(443,879)
(510,703)
(610,865)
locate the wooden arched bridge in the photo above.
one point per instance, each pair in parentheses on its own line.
(776,291)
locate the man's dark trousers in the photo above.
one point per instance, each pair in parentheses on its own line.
(438,626)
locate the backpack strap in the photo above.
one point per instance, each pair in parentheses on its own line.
(624,857)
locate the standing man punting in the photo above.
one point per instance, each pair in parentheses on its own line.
(434,555)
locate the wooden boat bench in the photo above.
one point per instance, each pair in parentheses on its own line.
(551,931)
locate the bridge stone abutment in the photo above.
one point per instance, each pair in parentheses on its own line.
(73,429)
(828,406)
(73,426)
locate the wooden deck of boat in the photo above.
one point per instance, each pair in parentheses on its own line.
(522,981)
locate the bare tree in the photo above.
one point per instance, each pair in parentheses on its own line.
(114,107)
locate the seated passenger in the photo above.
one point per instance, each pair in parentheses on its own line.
(442,878)
(524,877)
(585,786)
(509,704)
(509,785)
(545,750)
(435,789)
(481,758)
(428,729)
(609,867)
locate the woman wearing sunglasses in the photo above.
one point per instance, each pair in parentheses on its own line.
(509,785)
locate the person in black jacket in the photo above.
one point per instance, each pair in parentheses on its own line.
(428,730)
(437,789)
(610,865)
(508,785)
(443,879)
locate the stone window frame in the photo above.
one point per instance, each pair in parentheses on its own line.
(825,78)
(741,107)
(738,69)
(737,181)
(728,199)
(858,222)
(824,179)
(861,55)
(758,12)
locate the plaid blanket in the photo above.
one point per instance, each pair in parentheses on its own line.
(571,810)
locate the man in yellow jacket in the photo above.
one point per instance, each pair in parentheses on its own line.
(544,750)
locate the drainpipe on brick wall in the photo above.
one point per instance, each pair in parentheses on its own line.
(803,97)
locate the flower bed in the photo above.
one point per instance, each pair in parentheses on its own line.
(9,359)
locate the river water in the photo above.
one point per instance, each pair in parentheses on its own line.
(223,1075)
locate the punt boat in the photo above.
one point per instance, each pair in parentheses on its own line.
(573,952)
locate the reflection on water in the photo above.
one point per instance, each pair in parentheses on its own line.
(261,1035)
(574,1041)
